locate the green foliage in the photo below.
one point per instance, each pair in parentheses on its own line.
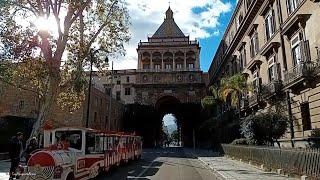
(175,135)
(264,128)
(315,139)
(51,61)
(241,141)
(233,87)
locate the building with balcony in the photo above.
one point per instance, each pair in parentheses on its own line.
(274,43)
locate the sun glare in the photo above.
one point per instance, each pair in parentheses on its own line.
(45,24)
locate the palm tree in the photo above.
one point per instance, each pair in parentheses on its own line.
(210,102)
(233,87)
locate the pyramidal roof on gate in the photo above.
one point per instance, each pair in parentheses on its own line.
(168,28)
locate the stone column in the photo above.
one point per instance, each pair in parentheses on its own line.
(162,63)
(139,60)
(185,61)
(173,62)
(197,62)
(151,61)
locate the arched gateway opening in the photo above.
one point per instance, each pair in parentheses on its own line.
(147,120)
(169,109)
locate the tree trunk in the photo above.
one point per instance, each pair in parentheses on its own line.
(46,107)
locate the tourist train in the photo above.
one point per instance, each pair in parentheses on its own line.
(81,153)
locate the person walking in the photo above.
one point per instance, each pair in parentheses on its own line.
(16,149)
(32,146)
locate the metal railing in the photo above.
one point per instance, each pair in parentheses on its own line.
(302,70)
(168,43)
(253,99)
(291,161)
(244,103)
(272,88)
(168,70)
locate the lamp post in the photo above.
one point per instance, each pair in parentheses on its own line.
(92,58)
(108,123)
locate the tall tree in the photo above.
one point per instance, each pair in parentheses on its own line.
(49,58)
(233,87)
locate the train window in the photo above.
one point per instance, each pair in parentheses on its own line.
(94,144)
(72,138)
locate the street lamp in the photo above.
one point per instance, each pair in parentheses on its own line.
(92,60)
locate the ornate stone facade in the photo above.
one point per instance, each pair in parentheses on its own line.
(168,65)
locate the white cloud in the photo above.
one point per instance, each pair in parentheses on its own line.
(147,16)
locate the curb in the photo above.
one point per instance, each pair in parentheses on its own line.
(217,173)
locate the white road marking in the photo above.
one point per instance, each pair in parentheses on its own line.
(145,170)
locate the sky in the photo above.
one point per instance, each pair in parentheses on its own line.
(168,119)
(204,20)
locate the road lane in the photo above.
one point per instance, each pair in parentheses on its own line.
(163,164)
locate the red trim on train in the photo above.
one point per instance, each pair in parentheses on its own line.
(41,158)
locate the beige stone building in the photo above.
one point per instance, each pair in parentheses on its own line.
(23,104)
(275,44)
(168,66)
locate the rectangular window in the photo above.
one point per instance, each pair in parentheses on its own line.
(96,101)
(128,79)
(305,115)
(157,66)
(242,57)
(118,82)
(256,81)
(296,45)
(168,66)
(269,24)
(118,95)
(292,5)
(271,69)
(254,44)
(108,90)
(127,91)
(146,66)
(95,116)
(179,66)
(21,104)
(191,66)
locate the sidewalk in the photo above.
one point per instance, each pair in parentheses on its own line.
(4,169)
(232,169)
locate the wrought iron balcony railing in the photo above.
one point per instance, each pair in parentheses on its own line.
(302,70)
(254,99)
(271,89)
(244,103)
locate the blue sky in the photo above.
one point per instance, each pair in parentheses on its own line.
(204,20)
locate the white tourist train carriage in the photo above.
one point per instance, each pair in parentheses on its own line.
(81,153)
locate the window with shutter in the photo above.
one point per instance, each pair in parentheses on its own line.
(269,24)
(305,115)
(271,69)
(256,80)
(296,49)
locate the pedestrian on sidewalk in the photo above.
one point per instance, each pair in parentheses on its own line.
(16,149)
(32,146)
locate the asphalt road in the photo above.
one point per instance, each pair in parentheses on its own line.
(162,164)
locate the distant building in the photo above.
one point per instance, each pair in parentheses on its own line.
(275,44)
(23,104)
